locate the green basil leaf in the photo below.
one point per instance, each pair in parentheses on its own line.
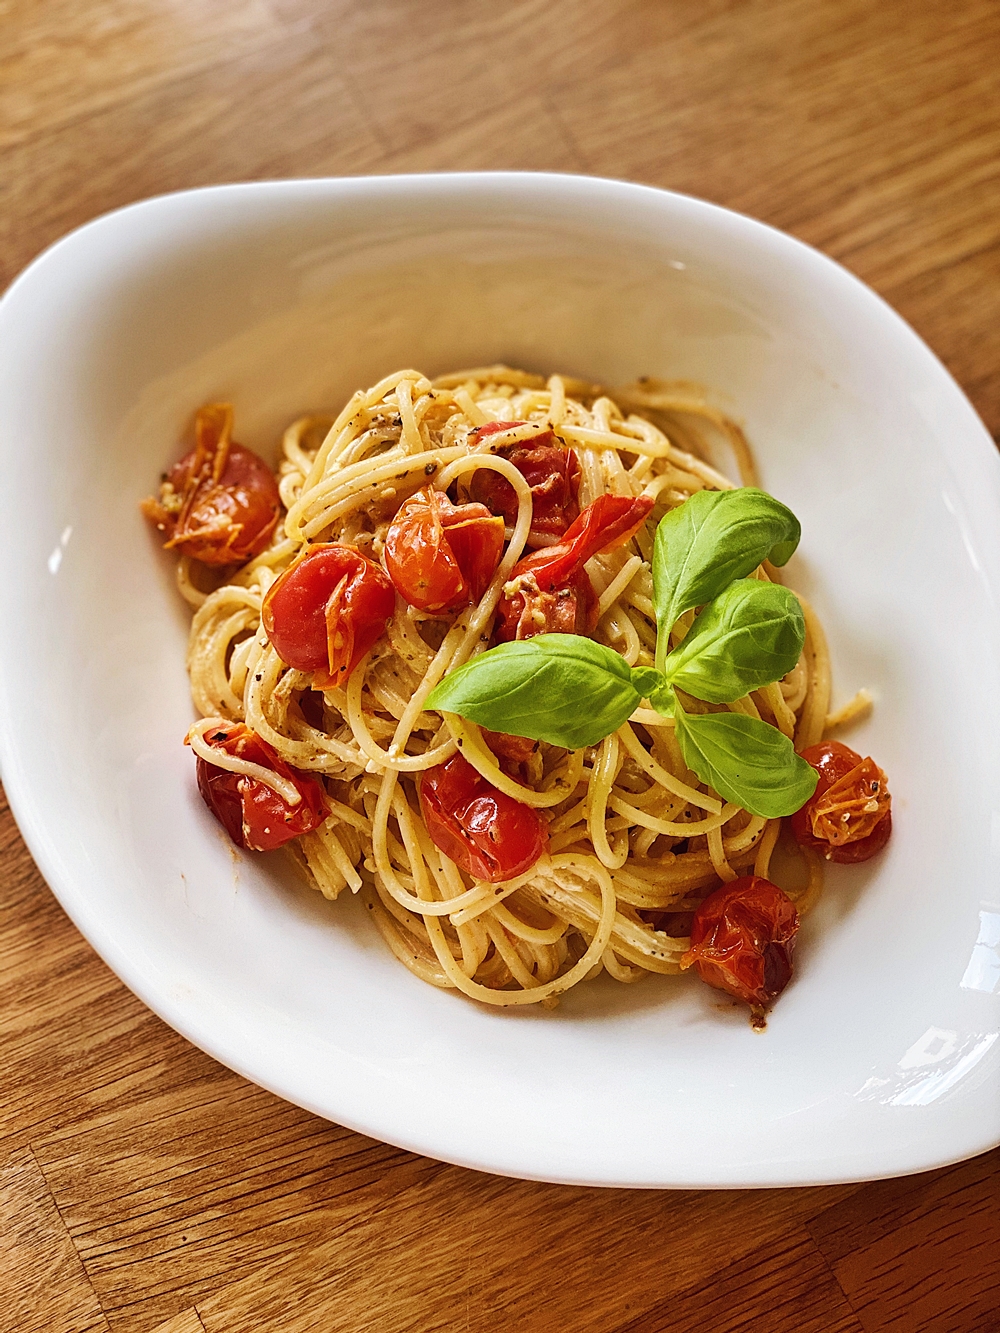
(748,636)
(560,688)
(746,761)
(711,539)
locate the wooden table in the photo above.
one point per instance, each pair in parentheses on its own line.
(145,1187)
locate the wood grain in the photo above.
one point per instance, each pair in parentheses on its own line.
(919,1253)
(788,1279)
(145,1188)
(512,1258)
(185,1322)
(41,1277)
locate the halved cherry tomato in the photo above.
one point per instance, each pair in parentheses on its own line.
(551,470)
(252,814)
(327,610)
(848,817)
(485,832)
(220,503)
(741,940)
(550,591)
(441,556)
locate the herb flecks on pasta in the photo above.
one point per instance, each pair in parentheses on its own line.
(501,652)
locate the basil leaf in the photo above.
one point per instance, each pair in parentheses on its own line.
(748,636)
(560,688)
(711,539)
(746,761)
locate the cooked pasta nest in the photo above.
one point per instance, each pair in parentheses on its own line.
(636,841)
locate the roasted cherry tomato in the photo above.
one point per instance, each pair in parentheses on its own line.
(220,503)
(551,470)
(518,749)
(550,591)
(741,940)
(252,814)
(848,817)
(510,752)
(441,556)
(327,610)
(484,831)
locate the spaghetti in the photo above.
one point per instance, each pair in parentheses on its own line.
(635,840)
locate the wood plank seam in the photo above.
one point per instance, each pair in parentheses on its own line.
(192,1164)
(249,1194)
(834,1278)
(188,1321)
(25,1230)
(69,1235)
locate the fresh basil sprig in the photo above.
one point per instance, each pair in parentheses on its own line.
(570,691)
(709,540)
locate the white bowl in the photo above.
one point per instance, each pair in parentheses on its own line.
(881,1057)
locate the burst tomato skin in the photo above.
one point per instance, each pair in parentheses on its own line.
(517,749)
(551,592)
(252,814)
(485,832)
(327,610)
(742,937)
(844,777)
(441,556)
(512,753)
(219,504)
(552,472)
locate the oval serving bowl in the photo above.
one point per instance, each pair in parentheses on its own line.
(881,1057)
